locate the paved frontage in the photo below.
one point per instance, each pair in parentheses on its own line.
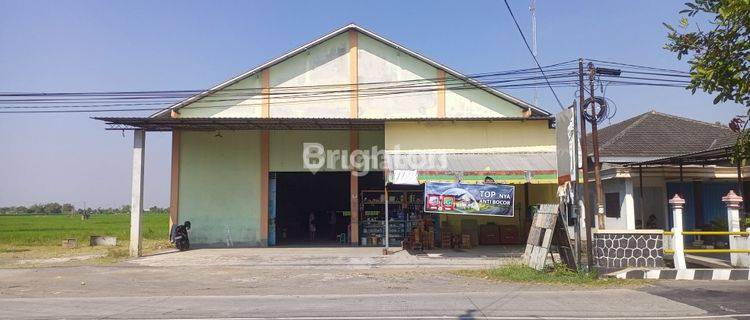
(337,257)
(227,289)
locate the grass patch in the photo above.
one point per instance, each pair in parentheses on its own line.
(13,250)
(117,253)
(41,256)
(558,275)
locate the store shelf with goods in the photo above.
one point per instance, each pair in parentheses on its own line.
(402,205)
(375,229)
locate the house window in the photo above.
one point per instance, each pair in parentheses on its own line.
(612,205)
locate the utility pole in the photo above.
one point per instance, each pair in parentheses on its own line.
(574,205)
(532,8)
(595,145)
(588,216)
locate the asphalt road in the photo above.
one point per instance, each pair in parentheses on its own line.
(116,292)
(609,304)
(223,286)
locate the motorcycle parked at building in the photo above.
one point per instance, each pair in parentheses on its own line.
(179,236)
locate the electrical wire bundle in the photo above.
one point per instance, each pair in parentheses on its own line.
(559,75)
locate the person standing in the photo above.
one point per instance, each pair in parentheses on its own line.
(311,226)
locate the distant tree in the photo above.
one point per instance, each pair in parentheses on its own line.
(35,208)
(719,57)
(52,207)
(67,207)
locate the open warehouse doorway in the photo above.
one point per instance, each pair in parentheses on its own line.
(310,209)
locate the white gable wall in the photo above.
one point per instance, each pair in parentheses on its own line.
(241,99)
(302,85)
(379,62)
(323,65)
(468,101)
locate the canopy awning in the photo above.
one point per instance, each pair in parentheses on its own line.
(209,124)
(715,156)
(507,168)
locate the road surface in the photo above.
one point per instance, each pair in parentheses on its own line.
(227,291)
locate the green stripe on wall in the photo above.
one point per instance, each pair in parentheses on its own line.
(508,179)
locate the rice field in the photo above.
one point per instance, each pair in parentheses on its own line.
(50,230)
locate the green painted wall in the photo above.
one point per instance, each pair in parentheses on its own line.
(220,187)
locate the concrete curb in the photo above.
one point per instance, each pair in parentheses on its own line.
(682,274)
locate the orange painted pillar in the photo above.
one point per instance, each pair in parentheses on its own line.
(174,192)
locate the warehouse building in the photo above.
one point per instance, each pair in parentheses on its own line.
(313,137)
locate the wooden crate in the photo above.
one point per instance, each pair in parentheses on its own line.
(466,241)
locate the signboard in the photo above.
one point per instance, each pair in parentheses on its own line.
(565,133)
(476,199)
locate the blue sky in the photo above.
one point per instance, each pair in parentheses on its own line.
(164,45)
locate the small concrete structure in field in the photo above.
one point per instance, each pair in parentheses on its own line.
(103,241)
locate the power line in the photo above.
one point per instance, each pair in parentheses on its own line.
(298,101)
(250,92)
(637,66)
(532,52)
(455,85)
(555,75)
(477,76)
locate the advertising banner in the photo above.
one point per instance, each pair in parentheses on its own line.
(475,199)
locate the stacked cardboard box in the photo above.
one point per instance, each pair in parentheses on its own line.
(424,235)
(456,241)
(446,240)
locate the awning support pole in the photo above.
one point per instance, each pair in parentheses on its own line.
(387,240)
(682,191)
(640,195)
(136,201)
(740,186)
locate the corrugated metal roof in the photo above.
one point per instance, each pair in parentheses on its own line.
(473,162)
(714,156)
(168,124)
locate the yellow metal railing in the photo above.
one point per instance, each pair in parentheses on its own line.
(710,233)
(709,251)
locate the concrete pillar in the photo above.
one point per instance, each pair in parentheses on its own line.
(733,201)
(677,205)
(136,201)
(354,192)
(629,205)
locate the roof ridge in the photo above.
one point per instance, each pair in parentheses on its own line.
(689,119)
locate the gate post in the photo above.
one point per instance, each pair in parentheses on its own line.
(677,205)
(732,201)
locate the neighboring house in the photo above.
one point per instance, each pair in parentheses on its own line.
(661,147)
(238,169)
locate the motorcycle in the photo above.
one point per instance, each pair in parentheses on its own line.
(180,236)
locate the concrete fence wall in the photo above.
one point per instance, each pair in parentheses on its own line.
(619,249)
